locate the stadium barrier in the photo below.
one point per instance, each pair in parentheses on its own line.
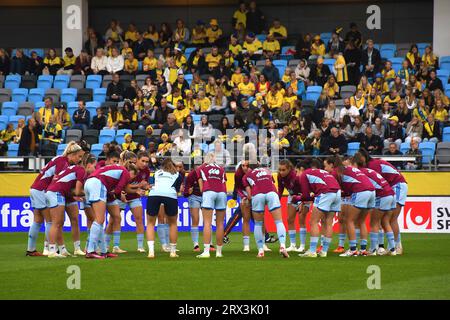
(427,209)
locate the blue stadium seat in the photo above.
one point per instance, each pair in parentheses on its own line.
(396,63)
(325,37)
(106,135)
(447,90)
(443,75)
(120,136)
(444,63)
(140,63)
(286,48)
(36,95)
(72,107)
(446,134)
(15,120)
(421,46)
(39,51)
(99,95)
(281,70)
(68,95)
(280,63)
(45,81)
(314,96)
(261,37)
(92,107)
(404,147)
(317,89)
(428,150)
(9,108)
(19,95)
(330,64)
(38,105)
(96,149)
(12,81)
(93,81)
(61,148)
(388,50)
(28,118)
(188,52)
(196,118)
(352,148)
(13,149)
(188,78)
(3,122)
(61,81)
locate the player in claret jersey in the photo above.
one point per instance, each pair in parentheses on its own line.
(62,194)
(261,191)
(356,184)
(194,195)
(72,155)
(400,187)
(212,178)
(110,178)
(384,204)
(325,190)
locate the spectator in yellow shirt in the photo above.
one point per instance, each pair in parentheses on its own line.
(131,64)
(246,87)
(181,112)
(365,86)
(358,100)
(252,46)
(199,34)
(152,34)
(126,49)
(429,58)
(317,47)
(150,63)
(234,46)
(68,62)
(240,15)
(131,33)
(179,58)
(439,112)
(279,31)
(331,87)
(341,68)
(202,103)
(392,98)
(274,99)
(213,59)
(237,76)
(271,47)
(213,33)
(388,73)
(129,144)
(47,111)
(381,85)
(211,87)
(52,63)
(413,57)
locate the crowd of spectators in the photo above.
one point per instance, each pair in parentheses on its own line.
(386,109)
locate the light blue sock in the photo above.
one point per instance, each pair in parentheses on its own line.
(313,243)
(353,244)
(94,236)
(302,236)
(107,240)
(373,241)
(381,238)
(341,240)
(398,240)
(161,234)
(33,235)
(326,244)
(363,244)
(391,240)
(246,240)
(281,232)
(258,233)
(167,232)
(87,240)
(292,237)
(358,233)
(321,239)
(102,244)
(116,238)
(194,235)
(140,240)
(48,225)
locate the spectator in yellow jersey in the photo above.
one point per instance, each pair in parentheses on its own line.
(211,87)
(413,57)
(439,112)
(317,47)
(279,31)
(47,111)
(172,70)
(52,63)
(131,34)
(152,34)
(196,62)
(199,34)
(173,98)
(252,46)
(181,33)
(358,100)
(150,63)
(235,47)
(331,87)
(246,87)
(388,73)
(202,103)
(365,86)
(131,64)
(213,59)
(114,32)
(340,67)
(373,98)
(240,15)
(237,76)
(69,62)
(129,144)
(271,47)
(274,99)
(52,132)
(381,85)
(213,33)
(179,58)
(429,58)
(126,49)
(393,98)
(181,112)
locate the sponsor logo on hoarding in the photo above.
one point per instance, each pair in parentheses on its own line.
(417,215)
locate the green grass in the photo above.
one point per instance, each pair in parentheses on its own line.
(423,272)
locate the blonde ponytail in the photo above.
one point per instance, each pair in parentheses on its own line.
(126,156)
(72,147)
(210,158)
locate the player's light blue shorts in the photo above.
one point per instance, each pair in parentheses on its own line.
(306,204)
(84,205)
(131,204)
(363,200)
(194,201)
(328,202)
(260,200)
(95,190)
(38,199)
(401,192)
(385,203)
(55,199)
(214,200)
(345,200)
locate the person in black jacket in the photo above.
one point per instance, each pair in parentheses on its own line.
(255,19)
(181,84)
(196,62)
(19,63)
(434,82)
(335,45)
(335,143)
(320,72)
(371,142)
(393,132)
(115,89)
(371,60)
(302,48)
(100,120)
(271,72)
(352,57)
(141,46)
(4,62)
(29,141)
(81,117)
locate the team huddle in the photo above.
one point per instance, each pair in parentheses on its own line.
(353,187)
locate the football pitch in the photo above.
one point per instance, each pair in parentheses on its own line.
(423,272)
